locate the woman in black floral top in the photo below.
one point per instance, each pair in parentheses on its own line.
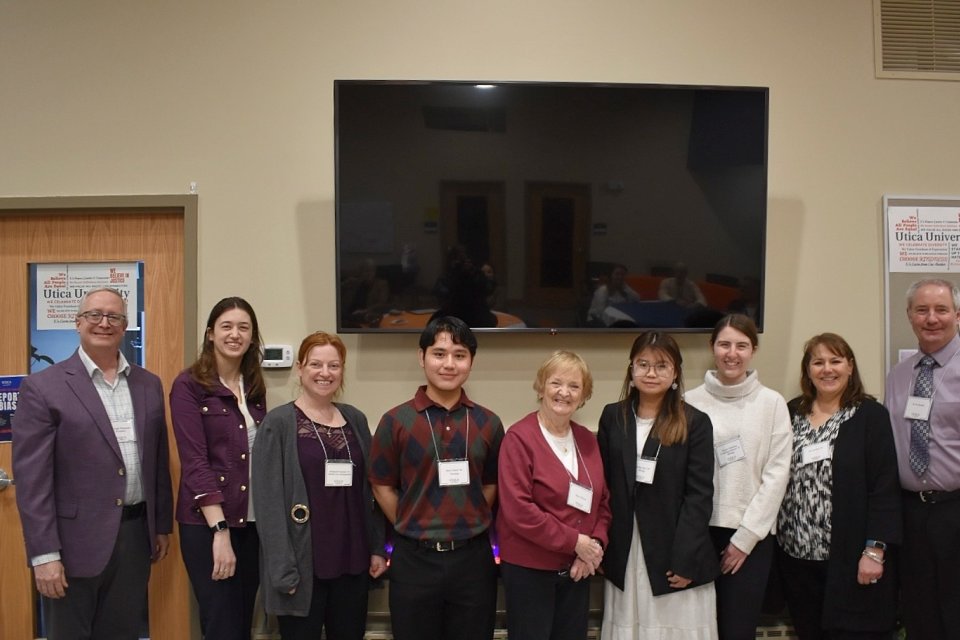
(839,523)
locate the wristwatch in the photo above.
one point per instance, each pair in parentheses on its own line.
(220,526)
(877,544)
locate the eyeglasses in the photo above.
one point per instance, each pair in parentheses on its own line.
(662,369)
(95,317)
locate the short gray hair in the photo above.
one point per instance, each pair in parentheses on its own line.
(116,292)
(933,282)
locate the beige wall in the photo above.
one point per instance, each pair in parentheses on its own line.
(121,97)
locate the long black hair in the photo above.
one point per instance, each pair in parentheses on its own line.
(670,424)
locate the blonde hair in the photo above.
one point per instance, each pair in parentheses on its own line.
(563,361)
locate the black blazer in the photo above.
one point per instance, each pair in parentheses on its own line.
(673,513)
(866,505)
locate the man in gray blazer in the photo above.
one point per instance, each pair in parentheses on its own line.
(93,482)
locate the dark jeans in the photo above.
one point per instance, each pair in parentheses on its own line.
(740,594)
(108,606)
(544,605)
(339,604)
(443,595)
(226,606)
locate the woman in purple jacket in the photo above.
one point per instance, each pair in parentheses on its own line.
(554,508)
(216,405)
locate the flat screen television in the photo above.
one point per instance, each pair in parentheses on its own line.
(553,207)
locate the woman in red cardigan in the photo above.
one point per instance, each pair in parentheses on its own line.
(554,508)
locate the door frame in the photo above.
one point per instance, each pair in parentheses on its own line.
(185,204)
(126,205)
(581,195)
(495,192)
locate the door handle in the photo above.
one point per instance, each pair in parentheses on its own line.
(5,480)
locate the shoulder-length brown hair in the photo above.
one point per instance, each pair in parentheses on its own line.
(670,425)
(204,370)
(854,394)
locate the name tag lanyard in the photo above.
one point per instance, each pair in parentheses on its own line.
(453,472)
(731,450)
(333,477)
(123,426)
(580,496)
(919,408)
(819,450)
(646,467)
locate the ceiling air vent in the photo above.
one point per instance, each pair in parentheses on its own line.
(917,39)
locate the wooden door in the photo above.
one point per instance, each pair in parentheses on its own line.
(558,222)
(473,215)
(155,237)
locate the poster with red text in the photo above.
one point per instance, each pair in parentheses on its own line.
(923,239)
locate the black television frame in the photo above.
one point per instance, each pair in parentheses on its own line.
(339,210)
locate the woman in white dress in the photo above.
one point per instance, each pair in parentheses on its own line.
(658,460)
(754,441)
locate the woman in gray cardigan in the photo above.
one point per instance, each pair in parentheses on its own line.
(321,531)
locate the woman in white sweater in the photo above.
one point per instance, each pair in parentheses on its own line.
(753,443)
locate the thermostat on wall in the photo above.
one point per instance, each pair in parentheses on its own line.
(278,356)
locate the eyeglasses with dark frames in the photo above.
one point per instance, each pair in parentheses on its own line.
(96,317)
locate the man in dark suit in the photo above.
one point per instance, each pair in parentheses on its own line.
(93,482)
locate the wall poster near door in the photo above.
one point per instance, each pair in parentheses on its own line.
(55,292)
(9,393)
(922,235)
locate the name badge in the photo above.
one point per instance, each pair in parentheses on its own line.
(815,453)
(646,468)
(454,473)
(730,451)
(124,431)
(338,473)
(918,408)
(580,497)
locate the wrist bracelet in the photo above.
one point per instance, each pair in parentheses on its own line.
(873,555)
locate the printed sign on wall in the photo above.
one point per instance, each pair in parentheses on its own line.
(55,293)
(9,392)
(923,239)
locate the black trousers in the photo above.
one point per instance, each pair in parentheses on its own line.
(225,606)
(544,605)
(339,604)
(804,586)
(740,595)
(109,606)
(443,595)
(930,569)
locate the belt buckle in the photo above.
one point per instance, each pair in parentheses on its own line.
(925,494)
(444,546)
